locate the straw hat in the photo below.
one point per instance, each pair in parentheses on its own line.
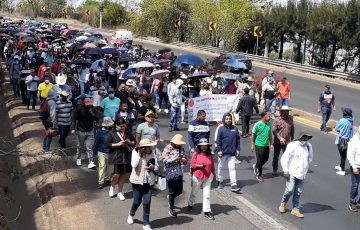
(178,139)
(146,143)
(64,93)
(285,108)
(204,141)
(304,133)
(60,79)
(107,122)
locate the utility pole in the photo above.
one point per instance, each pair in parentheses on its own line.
(308,15)
(101,13)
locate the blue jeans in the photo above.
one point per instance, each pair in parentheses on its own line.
(355,180)
(193,94)
(175,188)
(142,193)
(174,116)
(270,106)
(31,95)
(64,131)
(326,113)
(47,143)
(16,86)
(157,98)
(293,187)
(282,102)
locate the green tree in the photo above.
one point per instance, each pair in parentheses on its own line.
(114,14)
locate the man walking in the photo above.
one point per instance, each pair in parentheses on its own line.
(227,146)
(326,103)
(283,131)
(246,106)
(31,82)
(269,95)
(176,100)
(283,89)
(64,109)
(295,163)
(260,142)
(353,156)
(197,130)
(84,118)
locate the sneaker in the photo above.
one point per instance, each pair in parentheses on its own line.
(274,173)
(130,219)
(341,173)
(237,161)
(235,188)
(209,215)
(172,213)
(112,191)
(78,162)
(167,197)
(176,129)
(182,122)
(166,110)
(121,196)
(260,178)
(91,165)
(353,208)
(159,110)
(146,227)
(338,168)
(101,186)
(170,129)
(220,185)
(255,171)
(282,207)
(297,213)
(189,208)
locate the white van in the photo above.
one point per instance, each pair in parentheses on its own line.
(124,35)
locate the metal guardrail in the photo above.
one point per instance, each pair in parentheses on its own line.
(287,64)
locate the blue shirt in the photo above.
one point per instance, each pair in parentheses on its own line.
(111,106)
(345,129)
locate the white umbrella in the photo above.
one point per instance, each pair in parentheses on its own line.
(159,73)
(81,38)
(143,64)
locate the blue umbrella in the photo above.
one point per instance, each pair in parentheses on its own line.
(81,62)
(109,51)
(234,63)
(126,73)
(189,59)
(95,64)
(122,49)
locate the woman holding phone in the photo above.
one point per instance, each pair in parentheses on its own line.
(121,144)
(203,166)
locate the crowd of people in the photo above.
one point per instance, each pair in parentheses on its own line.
(111,104)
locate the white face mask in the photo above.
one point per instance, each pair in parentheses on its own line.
(47,81)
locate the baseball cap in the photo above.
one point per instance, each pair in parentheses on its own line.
(148,113)
(87,101)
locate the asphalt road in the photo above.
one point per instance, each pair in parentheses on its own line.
(305,91)
(325,195)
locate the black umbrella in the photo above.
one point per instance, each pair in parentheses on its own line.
(109,51)
(126,58)
(164,50)
(21,35)
(3,35)
(81,62)
(49,37)
(72,32)
(58,40)
(93,51)
(29,39)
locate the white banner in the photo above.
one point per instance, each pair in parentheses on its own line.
(215,106)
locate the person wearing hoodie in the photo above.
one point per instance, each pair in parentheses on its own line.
(197,130)
(345,130)
(175,99)
(227,146)
(49,121)
(353,156)
(295,164)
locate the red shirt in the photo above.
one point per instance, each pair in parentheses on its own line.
(199,159)
(283,90)
(41,71)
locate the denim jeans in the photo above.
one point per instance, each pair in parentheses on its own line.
(355,180)
(270,106)
(165,97)
(282,102)
(157,98)
(31,95)
(228,160)
(64,131)
(293,187)
(175,188)
(16,86)
(326,113)
(85,139)
(174,116)
(47,143)
(142,193)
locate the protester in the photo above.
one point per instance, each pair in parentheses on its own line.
(120,144)
(197,130)
(102,151)
(44,88)
(98,92)
(49,119)
(64,109)
(245,107)
(31,82)
(203,168)
(295,163)
(260,140)
(84,119)
(110,104)
(142,178)
(228,148)
(353,156)
(326,103)
(174,157)
(283,89)
(176,100)
(344,127)
(283,131)
(148,129)
(127,115)
(269,95)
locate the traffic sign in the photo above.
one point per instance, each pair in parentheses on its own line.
(87,12)
(212,26)
(21,5)
(65,10)
(177,23)
(257,31)
(43,8)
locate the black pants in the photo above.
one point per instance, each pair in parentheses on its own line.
(262,156)
(342,158)
(23,91)
(175,189)
(277,149)
(245,124)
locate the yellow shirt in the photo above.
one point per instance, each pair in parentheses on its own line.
(44,89)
